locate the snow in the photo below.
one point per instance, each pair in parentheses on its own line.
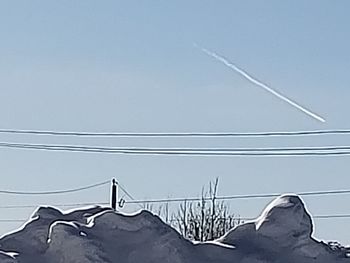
(283,233)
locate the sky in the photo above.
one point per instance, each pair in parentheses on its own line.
(131,66)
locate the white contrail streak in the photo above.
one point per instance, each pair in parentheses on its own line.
(260,84)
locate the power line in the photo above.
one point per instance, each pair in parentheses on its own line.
(269,152)
(187,199)
(55,205)
(12,220)
(312,193)
(122,201)
(55,191)
(161,200)
(125,191)
(338,216)
(173,149)
(176,134)
(235,197)
(329,216)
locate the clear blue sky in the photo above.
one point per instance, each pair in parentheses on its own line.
(131,67)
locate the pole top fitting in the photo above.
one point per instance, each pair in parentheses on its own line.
(114,182)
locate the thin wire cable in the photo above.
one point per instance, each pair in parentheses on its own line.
(55,192)
(331,216)
(338,216)
(165,200)
(187,199)
(55,205)
(234,197)
(176,134)
(127,193)
(173,149)
(268,152)
(12,220)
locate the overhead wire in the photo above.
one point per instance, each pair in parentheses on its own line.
(12,220)
(173,149)
(127,193)
(54,205)
(233,197)
(176,134)
(188,199)
(54,192)
(278,151)
(319,217)
(170,200)
(164,200)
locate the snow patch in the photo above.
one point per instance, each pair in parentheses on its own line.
(282,233)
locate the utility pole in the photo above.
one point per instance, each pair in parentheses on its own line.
(114,194)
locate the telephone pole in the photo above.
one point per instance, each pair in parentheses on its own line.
(114,194)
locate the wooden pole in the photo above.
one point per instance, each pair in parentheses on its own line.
(114,196)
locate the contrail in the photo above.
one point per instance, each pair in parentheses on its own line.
(260,84)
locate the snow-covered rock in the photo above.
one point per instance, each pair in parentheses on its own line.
(282,234)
